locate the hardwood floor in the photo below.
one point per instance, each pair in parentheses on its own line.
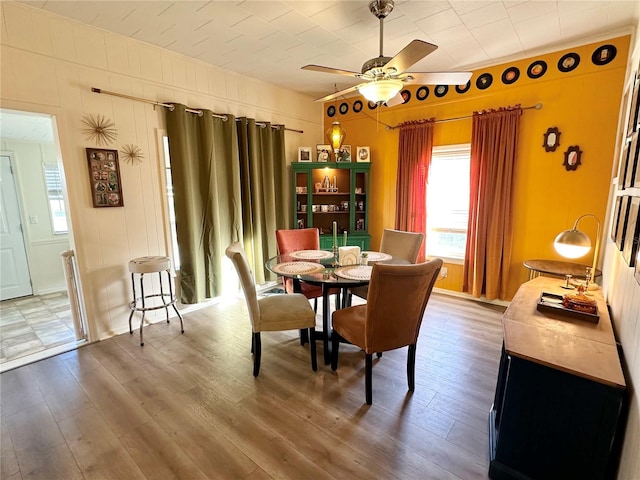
(187,406)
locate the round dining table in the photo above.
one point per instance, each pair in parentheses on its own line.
(320,267)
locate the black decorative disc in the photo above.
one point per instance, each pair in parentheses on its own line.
(537,69)
(484,81)
(331,111)
(604,54)
(406,96)
(422,93)
(344,108)
(510,75)
(463,88)
(441,90)
(357,106)
(372,105)
(568,62)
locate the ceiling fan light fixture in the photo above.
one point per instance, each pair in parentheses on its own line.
(380,91)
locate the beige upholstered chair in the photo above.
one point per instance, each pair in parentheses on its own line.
(271,313)
(391,318)
(402,246)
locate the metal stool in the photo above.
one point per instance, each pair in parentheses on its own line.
(157,265)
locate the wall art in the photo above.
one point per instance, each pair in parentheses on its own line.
(551,139)
(99,129)
(572,158)
(104,178)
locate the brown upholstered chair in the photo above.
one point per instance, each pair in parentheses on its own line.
(271,313)
(301,239)
(402,246)
(391,318)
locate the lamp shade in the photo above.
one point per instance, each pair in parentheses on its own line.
(380,91)
(572,244)
(336,136)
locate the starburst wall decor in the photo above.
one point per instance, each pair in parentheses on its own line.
(132,154)
(99,128)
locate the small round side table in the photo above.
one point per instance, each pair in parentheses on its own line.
(149,265)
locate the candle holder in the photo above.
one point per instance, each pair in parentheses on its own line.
(335,255)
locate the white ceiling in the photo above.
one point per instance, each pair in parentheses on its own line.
(25,127)
(271,40)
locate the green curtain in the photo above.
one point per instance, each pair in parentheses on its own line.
(263,177)
(207,197)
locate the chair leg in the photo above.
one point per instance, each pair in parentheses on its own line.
(315,305)
(367,378)
(312,348)
(411,367)
(335,345)
(379,354)
(304,336)
(257,350)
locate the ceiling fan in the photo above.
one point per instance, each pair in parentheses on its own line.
(383,77)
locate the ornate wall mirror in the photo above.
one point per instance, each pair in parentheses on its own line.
(551,139)
(572,157)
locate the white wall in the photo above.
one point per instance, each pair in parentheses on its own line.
(43,247)
(49,64)
(623,296)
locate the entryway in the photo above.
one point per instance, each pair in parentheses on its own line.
(36,316)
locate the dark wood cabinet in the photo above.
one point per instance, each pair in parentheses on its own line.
(559,396)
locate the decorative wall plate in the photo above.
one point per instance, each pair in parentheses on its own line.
(372,105)
(537,69)
(406,96)
(568,62)
(357,106)
(484,81)
(354,272)
(510,75)
(344,108)
(331,111)
(311,254)
(297,268)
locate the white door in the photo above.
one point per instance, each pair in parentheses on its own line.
(15,280)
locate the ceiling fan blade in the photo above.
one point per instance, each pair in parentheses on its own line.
(412,53)
(397,100)
(437,78)
(320,68)
(339,94)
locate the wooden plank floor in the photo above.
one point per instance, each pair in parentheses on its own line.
(187,406)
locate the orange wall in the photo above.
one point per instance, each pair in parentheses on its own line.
(584,104)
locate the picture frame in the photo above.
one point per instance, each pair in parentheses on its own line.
(304,154)
(323,153)
(551,139)
(344,154)
(632,234)
(363,154)
(104,178)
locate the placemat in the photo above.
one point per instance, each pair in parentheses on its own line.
(297,268)
(378,256)
(354,272)
(311,254)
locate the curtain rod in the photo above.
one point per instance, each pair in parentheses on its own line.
(537,106)
(190,110)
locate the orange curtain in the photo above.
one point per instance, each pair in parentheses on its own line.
(494,142)
(414,158)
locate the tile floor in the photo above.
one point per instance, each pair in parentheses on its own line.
(32,324)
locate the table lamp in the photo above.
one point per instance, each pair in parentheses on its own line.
(575,244)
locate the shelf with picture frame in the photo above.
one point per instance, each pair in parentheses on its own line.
(327,192)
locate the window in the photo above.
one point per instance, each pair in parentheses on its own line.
(448,201)
(53,182)
(172,212)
